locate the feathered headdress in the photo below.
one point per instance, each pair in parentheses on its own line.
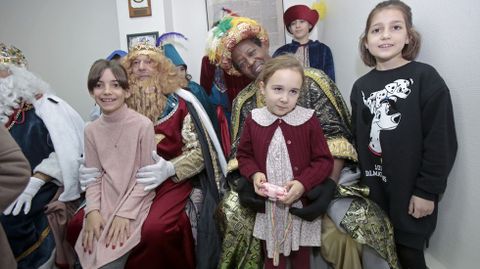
(230,31)
(167,36)
(169,50)
(229,12)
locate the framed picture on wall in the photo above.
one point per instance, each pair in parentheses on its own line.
(150,37)
(139,8)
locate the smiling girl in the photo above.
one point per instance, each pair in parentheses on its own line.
(118,144)
(403,124)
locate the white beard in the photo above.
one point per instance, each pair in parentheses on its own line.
(20,85)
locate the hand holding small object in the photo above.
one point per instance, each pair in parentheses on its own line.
(258,179)
(273,192)
(295,190)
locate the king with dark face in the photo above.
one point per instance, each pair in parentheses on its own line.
(249,56)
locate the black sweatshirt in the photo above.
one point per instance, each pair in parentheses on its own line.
(405,135)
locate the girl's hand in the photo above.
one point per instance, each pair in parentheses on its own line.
(258,179)
(295,190)
(119,232)
(93,228)
(420,207)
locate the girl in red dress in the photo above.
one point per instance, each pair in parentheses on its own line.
(283,144)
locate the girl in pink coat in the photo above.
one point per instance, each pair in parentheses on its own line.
(118,144)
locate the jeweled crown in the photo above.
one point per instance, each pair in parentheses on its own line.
(12,55)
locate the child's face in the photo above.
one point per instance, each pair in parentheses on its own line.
(282,91)
(300,29)
(108,93)
(387,35)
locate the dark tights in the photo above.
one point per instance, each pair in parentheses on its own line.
(298,259)
(411,258)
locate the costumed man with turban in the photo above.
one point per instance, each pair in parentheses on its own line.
(180,230)
(222,89)
(240,46)
(50,134)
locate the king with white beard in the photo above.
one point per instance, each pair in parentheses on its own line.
(50,134)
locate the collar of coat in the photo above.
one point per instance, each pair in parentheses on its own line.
(298,116)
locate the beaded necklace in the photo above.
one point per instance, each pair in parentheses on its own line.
(24,107)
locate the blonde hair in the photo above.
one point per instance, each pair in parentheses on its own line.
(282,62)
(410,50)
(167,78)
(165,81)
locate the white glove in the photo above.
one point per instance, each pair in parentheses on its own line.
(87,175)
(153,175)
(25,199)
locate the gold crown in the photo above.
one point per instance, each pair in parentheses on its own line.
(144,47)
(12,55)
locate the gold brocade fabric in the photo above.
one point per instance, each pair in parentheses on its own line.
(190,162)
(341,148)
(338,248)
(239,248)
(366,222)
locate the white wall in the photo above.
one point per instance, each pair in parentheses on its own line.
(190,18)
(61,39)
(127,25)
(450,43)
(184,16)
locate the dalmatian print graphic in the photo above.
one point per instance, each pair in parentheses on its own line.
(381,104)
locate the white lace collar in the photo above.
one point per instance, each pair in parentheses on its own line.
(299,115)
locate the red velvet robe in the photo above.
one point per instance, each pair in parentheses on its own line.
(167,240)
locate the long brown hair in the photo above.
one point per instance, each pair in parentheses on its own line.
(410,50)
(97,69)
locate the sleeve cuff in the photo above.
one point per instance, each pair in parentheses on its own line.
(425,195)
